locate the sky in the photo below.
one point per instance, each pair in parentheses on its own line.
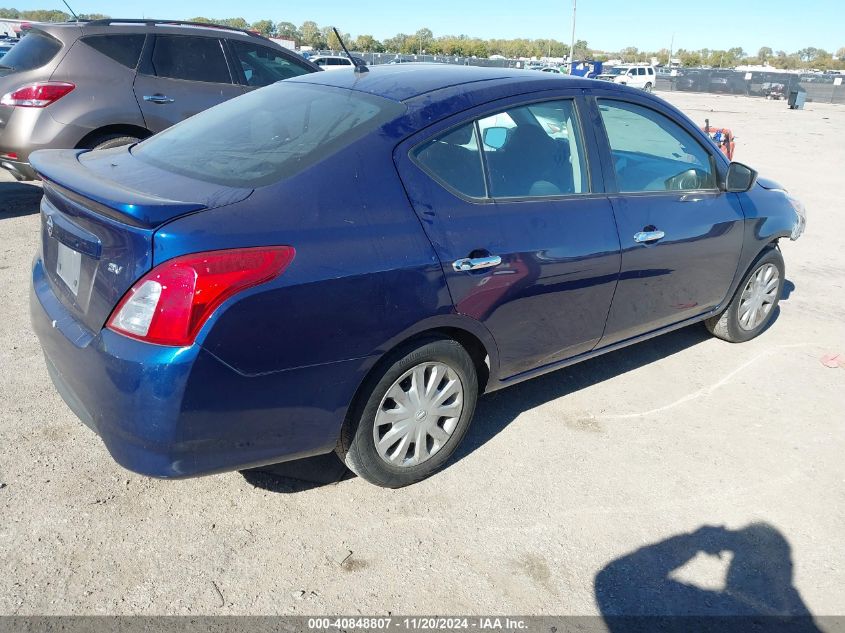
(607,25)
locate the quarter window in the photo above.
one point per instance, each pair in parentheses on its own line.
(124,48)
(193,58)
(653,153)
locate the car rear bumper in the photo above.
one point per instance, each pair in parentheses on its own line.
(179,412)
(21,170)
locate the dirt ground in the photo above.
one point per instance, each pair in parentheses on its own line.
(561,483)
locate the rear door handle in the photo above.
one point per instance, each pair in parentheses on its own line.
(159,98)
(648,236)
(475,263)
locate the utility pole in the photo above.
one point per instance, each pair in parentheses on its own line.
(671,48)
(572,46)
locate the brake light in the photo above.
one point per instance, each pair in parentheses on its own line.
(37,95)
(170,304)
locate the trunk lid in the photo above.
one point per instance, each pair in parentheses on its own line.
(99,214)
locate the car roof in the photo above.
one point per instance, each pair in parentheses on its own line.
(402,82)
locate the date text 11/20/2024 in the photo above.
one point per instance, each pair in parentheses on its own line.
(418,623)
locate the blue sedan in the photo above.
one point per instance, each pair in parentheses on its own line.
(345,261)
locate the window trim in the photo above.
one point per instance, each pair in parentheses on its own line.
(475,118)
(149,66)
(604,140)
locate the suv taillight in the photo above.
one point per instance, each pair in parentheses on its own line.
(37,95)
(170,304)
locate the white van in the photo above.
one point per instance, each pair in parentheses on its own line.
(642,77)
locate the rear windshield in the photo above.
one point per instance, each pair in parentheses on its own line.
(33,51)
(267,135)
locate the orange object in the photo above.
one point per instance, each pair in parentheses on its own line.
(722,136)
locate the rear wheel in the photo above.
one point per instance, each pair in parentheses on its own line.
(754,303)
(107,141)
(413,416)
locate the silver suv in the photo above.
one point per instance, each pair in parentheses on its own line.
(106,83)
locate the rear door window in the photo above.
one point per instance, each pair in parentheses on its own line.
(192,58)
(123,48)
(33,51)
(252,141)
(539,154)
(532,151)
(263,66)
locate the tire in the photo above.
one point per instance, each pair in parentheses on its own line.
(647,87)
(736,324)
(107,141)
(440,361)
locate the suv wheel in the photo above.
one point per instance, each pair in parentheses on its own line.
(414,416)
(754,303)
(107,141)
(647,87)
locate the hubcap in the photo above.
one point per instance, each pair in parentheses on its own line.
(418,414)
(758,297)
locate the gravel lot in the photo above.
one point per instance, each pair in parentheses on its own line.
(560,477)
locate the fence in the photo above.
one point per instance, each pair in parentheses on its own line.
(821,88)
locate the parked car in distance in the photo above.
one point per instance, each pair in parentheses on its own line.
(202,318)
(643,77)
(6,44)
(552,69)
(336,62)
(99,84)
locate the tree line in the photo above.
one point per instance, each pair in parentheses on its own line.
(423,41)
(809,57)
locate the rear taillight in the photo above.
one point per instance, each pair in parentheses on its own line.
(170,304)
(37,95)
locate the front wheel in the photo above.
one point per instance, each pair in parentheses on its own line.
(754,303)
(647,88)
(413,416)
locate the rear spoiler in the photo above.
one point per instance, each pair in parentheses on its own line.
(61,170)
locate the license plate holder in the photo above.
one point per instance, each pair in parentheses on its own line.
(68,266)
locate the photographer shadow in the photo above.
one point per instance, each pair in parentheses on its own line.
(639,591)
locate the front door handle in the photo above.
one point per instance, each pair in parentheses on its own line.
(644,237)
(159,98)
(476,263)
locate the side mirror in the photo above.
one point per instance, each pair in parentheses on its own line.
(495,137)
(740,178)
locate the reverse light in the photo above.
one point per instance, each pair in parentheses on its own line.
(37,95)
(170,304)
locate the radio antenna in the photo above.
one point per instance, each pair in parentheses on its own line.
(72,12)
(360,67)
